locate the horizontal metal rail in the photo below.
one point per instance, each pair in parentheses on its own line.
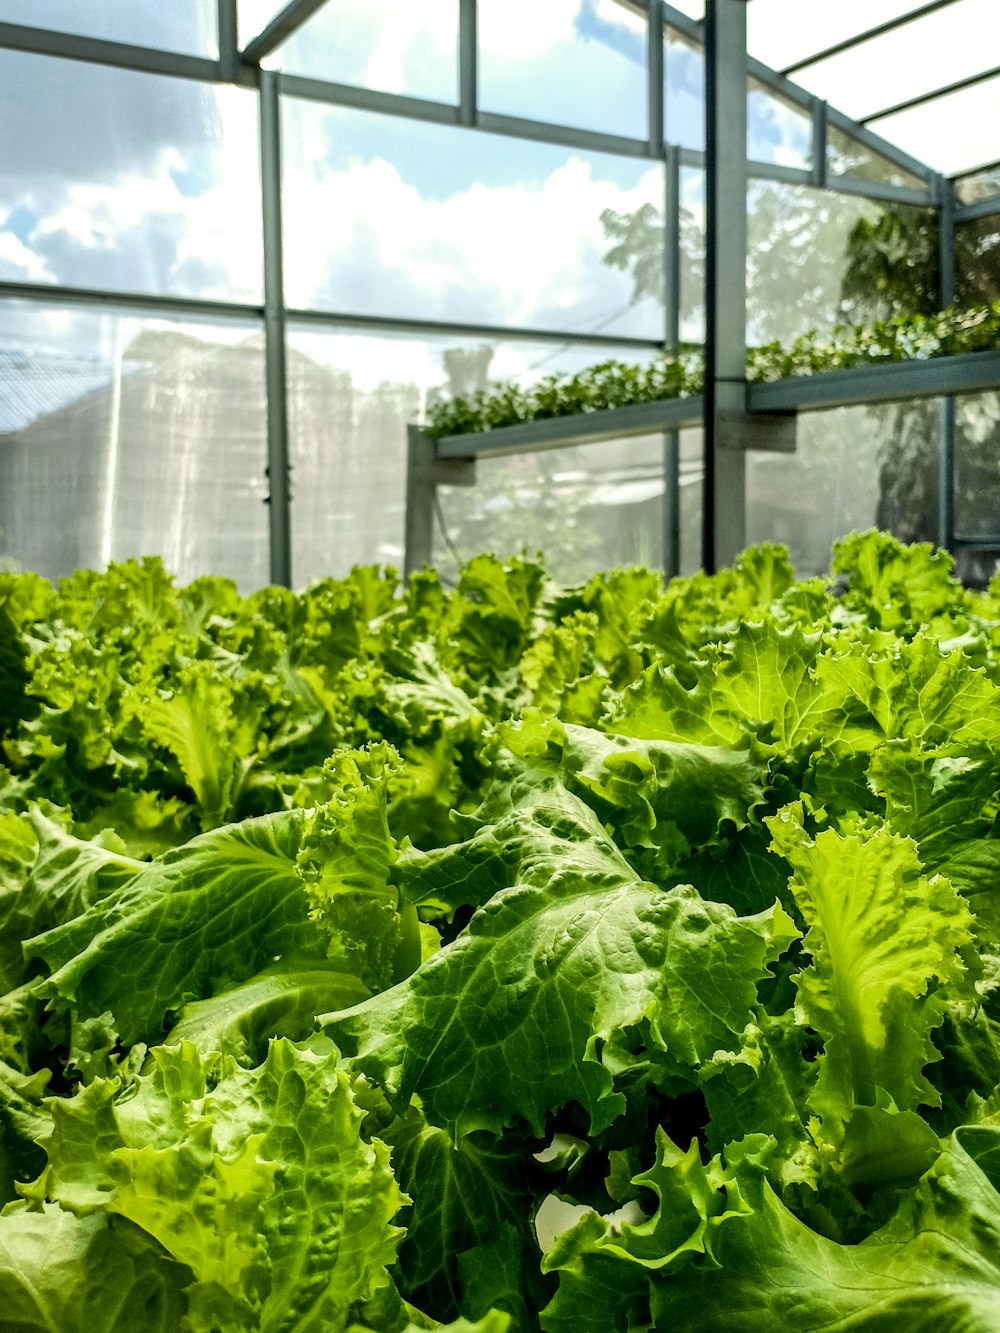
(120,55)
(612,423)
(149,302)
(930,377)
(498,332)
(946,90)
(982,208)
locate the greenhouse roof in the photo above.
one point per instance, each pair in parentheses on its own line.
(925,76)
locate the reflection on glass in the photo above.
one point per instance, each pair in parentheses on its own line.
(571,62)
(850,157)
(855,468)
(977,465)
(777,131)
(186,26)
(802,248)
(979,185)
(684,92)
(128,181)
(393,217)
(583,509)
(125,436)
(393,46)
(351,397)
(692,310)
(977,260)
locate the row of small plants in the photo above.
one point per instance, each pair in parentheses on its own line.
(617,384)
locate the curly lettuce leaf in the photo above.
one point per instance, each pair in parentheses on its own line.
(572,948)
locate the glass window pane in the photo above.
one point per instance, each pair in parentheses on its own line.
(129,436)
(128,181)
(977,255)
(187,26)
(979,185)
(692,311)
(388,216)
(777,131)
(817,259)
(855,468)
(351,397)
(572,62)
(584,509)
(977,465)
(394,46)
(684,96)
(847,156)
(953,133)
(253,16)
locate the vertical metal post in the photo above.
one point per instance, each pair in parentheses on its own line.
(672,308)
(726,418)
(229,58)
(819,133)
(946,419)
(654,76)
(279,497)
(468,62)
(424,473)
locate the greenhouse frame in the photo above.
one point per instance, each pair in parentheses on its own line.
(256,53)
(499,666)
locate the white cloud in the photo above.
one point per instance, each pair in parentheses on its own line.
(522,254)
(18,263)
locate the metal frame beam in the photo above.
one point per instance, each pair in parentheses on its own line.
(982,208)
(932,377)
(724,491)
(121,55)
(279,488)
(148,303)
(229,44)
(946,420)
(281,27)
(468,62)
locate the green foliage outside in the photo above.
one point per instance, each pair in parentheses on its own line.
(342,931)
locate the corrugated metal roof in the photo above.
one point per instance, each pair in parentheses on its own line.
(33,384)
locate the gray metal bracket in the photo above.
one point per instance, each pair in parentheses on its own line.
(425,472)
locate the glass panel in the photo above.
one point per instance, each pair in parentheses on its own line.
(977,568)
(692,498)
(977,465)
(777,34)
(977,266)
(847,156)
(585,509)
(777,131)
(572,62)
(394,46)
(694,9)
(692,312)
(980,185)
(254,16)
(128,181)
(126,436)
(798,258)
(684,95)
(855,468)
(351,397)
(395,217)
(949,44)
(953,133)
(187,26)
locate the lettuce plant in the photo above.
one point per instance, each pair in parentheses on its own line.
(611,958)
